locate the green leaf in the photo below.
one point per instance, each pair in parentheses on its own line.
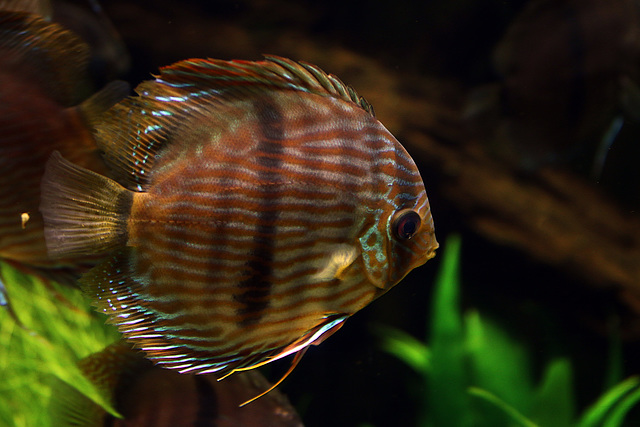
(406,348)
(613,373)
(553,403)
(448,401)
(446,319)
(597,413)
(499,363)
(507,409)
(59,329)
(619,412)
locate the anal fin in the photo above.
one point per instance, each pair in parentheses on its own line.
(114,292)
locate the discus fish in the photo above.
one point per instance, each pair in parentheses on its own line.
(146,395)
(256,206)
(42,83)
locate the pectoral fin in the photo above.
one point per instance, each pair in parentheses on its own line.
(336,264)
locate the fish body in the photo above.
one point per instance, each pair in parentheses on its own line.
(256,206)
(148,396)
(43,83)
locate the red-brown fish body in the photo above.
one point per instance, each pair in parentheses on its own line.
(148,396)
(259,205)
(42,78)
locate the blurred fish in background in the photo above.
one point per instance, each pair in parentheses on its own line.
(109,58)
(569,74)
(256,206)
(148,396)
(42,8)
(45,105)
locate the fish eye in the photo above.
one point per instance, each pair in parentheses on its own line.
(406,223)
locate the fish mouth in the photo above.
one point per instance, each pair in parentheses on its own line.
(429,244)
(428,255)
(429,252)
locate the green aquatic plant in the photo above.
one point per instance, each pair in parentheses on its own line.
(57,328)
(474,374)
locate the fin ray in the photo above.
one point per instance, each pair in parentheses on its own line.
(100,102)
(114,292)
(294,363)
(84,212)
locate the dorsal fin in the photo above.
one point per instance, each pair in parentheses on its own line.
(134,130)
(51,56)
(238,78)
(100,102)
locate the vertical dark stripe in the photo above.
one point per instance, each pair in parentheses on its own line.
(255,290)
(208,407)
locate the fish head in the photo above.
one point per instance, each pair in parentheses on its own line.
(412,240)
(400,235)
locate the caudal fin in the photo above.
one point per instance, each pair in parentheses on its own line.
(84,212)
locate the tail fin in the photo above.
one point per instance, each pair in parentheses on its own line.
(84,212)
